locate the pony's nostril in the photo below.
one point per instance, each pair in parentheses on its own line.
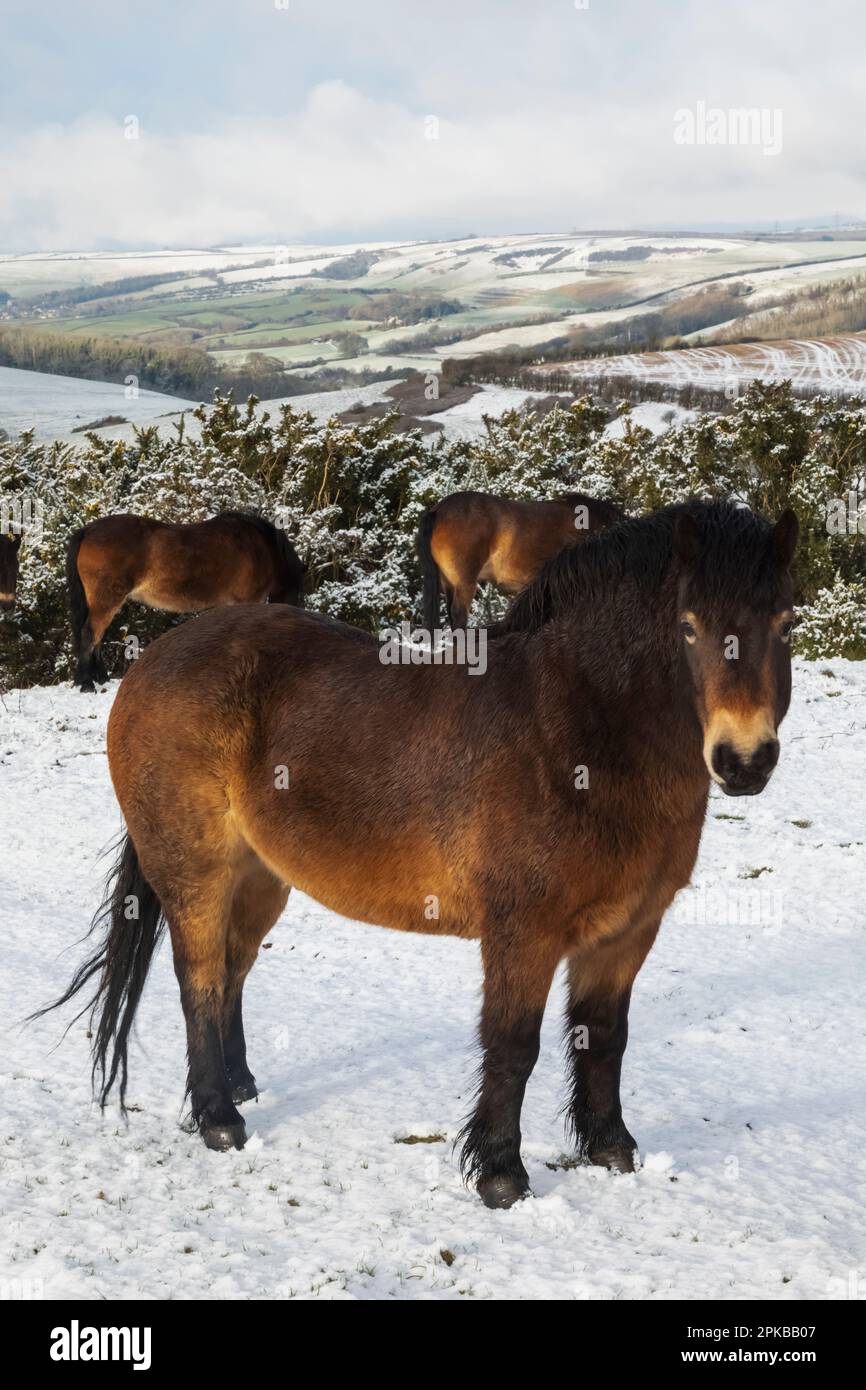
(726,761)
(765,757)
(745,774)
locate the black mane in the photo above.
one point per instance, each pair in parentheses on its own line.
(275,535)
(734,558)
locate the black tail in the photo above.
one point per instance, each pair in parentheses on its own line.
(429,570)
(79,612)
(132,918)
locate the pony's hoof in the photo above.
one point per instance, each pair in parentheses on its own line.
(502,1191)
(245,1090)
(223,1137)
(87,688)
(618,1160)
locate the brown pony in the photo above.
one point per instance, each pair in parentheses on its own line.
(549,808)
(9,546)
(236,557)
(474,536)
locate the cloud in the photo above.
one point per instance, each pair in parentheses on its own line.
(554,118)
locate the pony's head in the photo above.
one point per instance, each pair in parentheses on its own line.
(735,608)
(8,571)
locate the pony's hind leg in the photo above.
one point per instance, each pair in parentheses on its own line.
(197,912)
(599,992)
(519,965)
(259,898)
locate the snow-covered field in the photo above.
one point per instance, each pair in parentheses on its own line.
(54,406)
(744,1078)
(656,416)
(832,364)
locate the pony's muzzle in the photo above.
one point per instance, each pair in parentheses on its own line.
(744,774)
(7,603)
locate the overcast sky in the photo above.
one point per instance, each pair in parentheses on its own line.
(312,122)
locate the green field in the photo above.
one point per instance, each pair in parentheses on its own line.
(421,302)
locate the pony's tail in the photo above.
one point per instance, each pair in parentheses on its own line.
(79,611)
(132,921)
(429,570)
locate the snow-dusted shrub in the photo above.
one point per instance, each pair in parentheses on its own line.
(350,496)
(834,623)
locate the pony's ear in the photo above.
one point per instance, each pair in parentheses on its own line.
(687,539)
(17,539)
(785,533)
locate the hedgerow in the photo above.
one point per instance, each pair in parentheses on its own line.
(350,497)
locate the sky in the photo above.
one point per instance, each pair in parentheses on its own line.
(277,121)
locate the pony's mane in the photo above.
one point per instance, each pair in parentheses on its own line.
(274,534)
(734,552)
(601,507)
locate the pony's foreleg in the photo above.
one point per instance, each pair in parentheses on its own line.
(258,901)
(599,992)
(460,604)
(86,669)
(90,666)
(518,970)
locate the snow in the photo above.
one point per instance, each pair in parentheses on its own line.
(656,416)
(466,420)
(836,363)
(55,405)
(743,1080)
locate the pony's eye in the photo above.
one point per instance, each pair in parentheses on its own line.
(786,629)
(688,631)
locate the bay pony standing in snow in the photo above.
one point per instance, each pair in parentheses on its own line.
(552,807)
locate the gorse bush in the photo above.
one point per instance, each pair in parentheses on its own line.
(350,497)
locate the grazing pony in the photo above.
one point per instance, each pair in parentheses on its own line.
(474,536)
(235,557)
(9,546)
(550,808)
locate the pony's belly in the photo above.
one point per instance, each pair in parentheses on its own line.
(399,881)
(190,598)
(505,574)
(166,600)
(431,913)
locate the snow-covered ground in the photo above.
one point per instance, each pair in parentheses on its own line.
(834,364)
(743,1082)
(54,406)
(656,416)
